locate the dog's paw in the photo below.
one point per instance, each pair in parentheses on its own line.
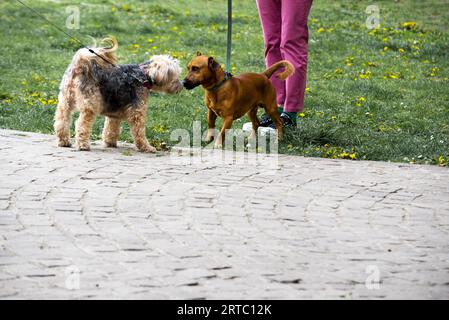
(64,143)
(218,146)
(148,149)
(83,147)
(209,139)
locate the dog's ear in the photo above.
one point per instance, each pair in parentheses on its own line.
(198,53)
(213,65)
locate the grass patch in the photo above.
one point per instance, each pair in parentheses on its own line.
(378,94)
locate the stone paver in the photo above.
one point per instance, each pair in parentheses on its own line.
(107,224)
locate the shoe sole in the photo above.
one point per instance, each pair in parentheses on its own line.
(263,131)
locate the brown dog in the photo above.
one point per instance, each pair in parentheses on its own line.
(232,97)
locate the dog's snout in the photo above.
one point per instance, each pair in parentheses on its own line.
(188,84)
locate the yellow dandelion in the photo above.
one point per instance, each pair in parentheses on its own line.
(343,155)
(442,161)
(433,72)
(392,75)
(37,77)
(159,128)
(410,25)
(365,74)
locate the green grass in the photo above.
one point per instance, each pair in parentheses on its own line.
(377,95)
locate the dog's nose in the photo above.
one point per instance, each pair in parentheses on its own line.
(186,83)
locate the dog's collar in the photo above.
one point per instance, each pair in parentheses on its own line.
(218,85)
(149,82)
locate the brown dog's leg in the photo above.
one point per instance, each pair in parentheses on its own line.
(255,122)
(137,120)
(227,124)
(111,131)
(211,118)
(63,119)
(271,110)
(83,129)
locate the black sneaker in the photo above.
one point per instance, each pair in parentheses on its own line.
(286,121)
(265,121)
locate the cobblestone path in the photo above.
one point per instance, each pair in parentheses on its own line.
(114,223)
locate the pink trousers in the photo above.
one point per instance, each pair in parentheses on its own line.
(286,34)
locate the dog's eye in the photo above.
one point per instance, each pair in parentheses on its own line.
(195,68)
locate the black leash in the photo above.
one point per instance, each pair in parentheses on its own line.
(64,32)
(228,45)
(147,83)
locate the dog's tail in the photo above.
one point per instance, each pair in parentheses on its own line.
(87,64)
(108,51)
(289,70)
(103,56)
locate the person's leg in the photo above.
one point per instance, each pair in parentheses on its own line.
(294,46)
(270,18)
